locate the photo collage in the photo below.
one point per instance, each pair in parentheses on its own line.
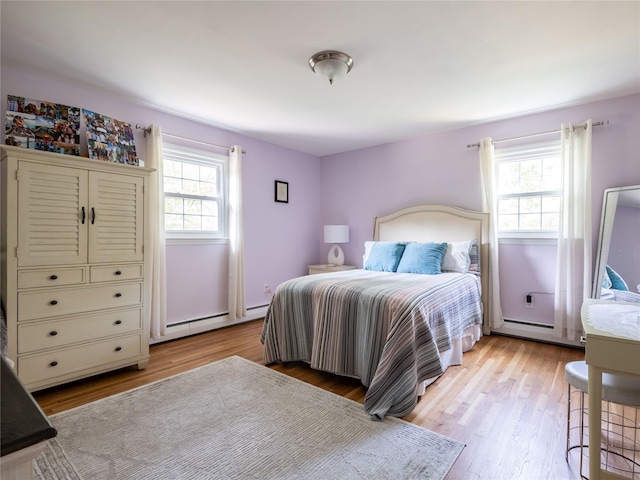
(41,125)
(54,127)
(109,139)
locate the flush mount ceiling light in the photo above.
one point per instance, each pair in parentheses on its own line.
(331,64)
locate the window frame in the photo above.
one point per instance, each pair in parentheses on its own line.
(519,153)
(180,153)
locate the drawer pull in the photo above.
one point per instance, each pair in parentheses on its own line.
(53,333)
(53,302)
(118,295)
(118,322)
(118,272)
(118,349)
(53,364)
(84,214)
(93,215)
(53,277)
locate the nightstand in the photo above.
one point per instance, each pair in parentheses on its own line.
(313,269)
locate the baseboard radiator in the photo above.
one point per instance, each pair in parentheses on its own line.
(533,331)
(201,325)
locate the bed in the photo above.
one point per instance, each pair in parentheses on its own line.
(615,288)
(394,330)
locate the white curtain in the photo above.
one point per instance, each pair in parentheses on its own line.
(573,268)
(237,306)
(489,204)
(157,268)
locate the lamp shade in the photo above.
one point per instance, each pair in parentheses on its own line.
(336,233)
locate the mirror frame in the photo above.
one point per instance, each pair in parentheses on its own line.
(609,205)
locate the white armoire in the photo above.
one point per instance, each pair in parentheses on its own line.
(74,268)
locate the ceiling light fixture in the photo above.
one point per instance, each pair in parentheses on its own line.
(331,64)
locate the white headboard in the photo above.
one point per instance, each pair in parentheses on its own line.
(440,223)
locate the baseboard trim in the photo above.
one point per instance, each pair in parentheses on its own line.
(511,328)
(539,333)
(194,327)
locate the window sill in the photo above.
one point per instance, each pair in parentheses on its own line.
(527,241)
(196,241)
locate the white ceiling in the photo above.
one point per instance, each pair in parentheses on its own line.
(419,67)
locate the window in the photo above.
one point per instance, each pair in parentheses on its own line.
(195,193)
(529,180)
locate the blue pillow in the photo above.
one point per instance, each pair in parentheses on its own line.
(384,256)
(617,283)
(422,258)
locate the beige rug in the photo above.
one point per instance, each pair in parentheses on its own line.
(235,419)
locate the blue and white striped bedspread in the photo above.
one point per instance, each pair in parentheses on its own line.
(387,329)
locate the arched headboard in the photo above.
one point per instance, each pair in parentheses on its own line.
(440,223)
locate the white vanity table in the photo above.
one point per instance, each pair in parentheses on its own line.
(612,331)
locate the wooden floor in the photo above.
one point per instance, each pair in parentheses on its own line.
(507,403)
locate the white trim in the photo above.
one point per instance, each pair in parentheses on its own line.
(526,151)
(519,154)
(196,241)
(207,324)
(533,332)
(182,154)
(527,241)
(553,234)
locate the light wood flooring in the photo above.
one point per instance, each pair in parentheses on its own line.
(507,402)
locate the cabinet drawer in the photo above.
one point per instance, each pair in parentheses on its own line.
(52,277)
(45,366)
(58,302)
(112,273)
(33,336)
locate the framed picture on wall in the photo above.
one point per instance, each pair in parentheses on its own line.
(282,191)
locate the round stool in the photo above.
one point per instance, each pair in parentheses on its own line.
(622,438)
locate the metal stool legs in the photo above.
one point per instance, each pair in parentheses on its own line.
(581,411)
(621,440)
(620,448)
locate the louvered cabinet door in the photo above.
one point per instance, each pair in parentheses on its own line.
(52,215)
(116,208)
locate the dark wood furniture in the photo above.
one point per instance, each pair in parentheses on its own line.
(24,427)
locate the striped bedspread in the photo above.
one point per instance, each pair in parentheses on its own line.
(387,329)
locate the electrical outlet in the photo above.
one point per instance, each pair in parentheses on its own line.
(267,288)
(528,300)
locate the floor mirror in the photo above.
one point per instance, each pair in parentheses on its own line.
(617,271)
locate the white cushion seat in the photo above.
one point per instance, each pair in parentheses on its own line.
(615,388)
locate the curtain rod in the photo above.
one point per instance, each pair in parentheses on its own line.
(603,123)
(148,130)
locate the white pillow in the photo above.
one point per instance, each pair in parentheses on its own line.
(456,258)
(367,251)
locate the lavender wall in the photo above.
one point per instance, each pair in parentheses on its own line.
(352,188)
(439,168)
(281,239)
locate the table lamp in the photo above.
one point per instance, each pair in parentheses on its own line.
(335,234)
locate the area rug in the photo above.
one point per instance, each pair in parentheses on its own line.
(235,419)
